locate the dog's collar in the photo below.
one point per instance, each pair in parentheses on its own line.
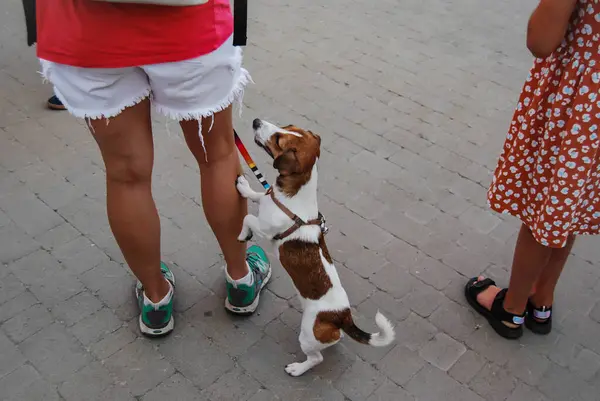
(298,222)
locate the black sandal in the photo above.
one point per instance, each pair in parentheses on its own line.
(539,320)
(498,315)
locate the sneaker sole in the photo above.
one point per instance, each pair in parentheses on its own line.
(154,333)
(250,309)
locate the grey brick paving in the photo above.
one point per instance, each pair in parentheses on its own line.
(412,100)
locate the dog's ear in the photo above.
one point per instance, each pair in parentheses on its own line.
(287,163)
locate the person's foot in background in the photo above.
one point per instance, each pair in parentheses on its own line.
(54,103)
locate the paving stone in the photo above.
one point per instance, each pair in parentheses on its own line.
(16,382)
(140,365)
(442,352)
(177,388)
(27,323)
(112,342)
(467,366)
(46,278)
(389,391)
(267,360)
(394,280)
(359,381)
(16,305)
(528,366)
(454,319)
(10,287)
(233,333)
(11,356)
(431,383)
(525,392)
(479,219)
(264,395)
(586,364)
(189,290)
(55,353)
(414,332)
(271,307)
(29,212)
(432,272)
(401,364)
(366,262)
(21,244)
(493,382)
(595,313)
(79,255)
(76,308)
(560,384)
(39,390)
(96,326)
(357,288)
(208,363)
(96,378)
(58,236)
(234,385)
(485,342)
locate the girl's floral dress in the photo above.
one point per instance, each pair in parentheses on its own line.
(549,172)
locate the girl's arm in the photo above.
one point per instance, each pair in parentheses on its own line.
(548,25)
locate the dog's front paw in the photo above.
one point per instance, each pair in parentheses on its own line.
(295,369)
(243,186)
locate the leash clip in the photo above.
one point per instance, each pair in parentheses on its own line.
(324,228)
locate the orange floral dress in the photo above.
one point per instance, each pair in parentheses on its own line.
(549,172)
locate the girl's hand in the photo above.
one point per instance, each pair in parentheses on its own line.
(548,25)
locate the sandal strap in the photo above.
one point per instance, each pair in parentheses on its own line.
(499,312)
(479,286)
(542,313)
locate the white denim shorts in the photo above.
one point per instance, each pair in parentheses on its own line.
(184,90)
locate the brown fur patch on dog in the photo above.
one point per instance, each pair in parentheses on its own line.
(342,320)
(294,157)
(326,332)
(302,261)
(324,249)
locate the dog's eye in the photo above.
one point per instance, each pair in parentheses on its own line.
(277,137)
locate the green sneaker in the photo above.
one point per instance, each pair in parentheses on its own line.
(243,299)
(156,320)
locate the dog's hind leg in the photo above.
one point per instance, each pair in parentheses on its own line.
(314,338)
(250,226)
(312,348)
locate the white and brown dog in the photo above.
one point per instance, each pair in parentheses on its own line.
(289,217)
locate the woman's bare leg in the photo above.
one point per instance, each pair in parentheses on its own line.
(128,152)
(220,166)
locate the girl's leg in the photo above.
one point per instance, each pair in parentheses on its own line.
(529,260)
(543,291)
(128,152)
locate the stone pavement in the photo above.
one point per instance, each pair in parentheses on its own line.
(412,99)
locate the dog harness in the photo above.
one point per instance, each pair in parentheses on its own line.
(298,222)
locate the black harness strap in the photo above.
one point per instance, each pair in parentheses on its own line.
(240,22)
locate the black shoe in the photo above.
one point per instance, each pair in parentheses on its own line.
(54,103)
(498,316)
(539,320)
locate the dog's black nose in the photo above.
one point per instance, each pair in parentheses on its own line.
(256,123)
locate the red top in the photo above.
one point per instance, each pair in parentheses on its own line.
(87,33)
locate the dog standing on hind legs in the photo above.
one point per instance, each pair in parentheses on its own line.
(289,217)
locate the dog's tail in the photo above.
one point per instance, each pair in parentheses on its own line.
(384,337)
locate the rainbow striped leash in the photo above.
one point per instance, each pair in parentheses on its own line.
(244,152)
